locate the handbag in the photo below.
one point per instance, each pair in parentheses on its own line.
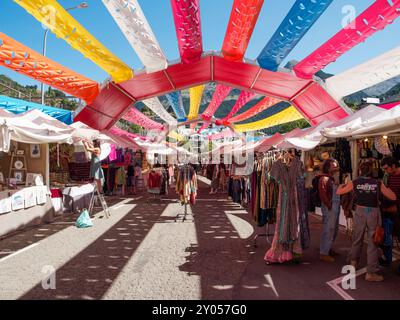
(84,220)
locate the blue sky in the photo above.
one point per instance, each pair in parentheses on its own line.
(18,24)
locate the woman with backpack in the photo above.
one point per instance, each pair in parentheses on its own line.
(367,217)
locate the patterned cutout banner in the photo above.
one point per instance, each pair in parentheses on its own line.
(175,99)
(241,24)
(136,117)
(374,18)
(131,20)
(258,108)
(63,25)
(288,115)
(188,29)
(21,59)
(293,28)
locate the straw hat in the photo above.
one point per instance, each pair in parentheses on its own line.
(382,146)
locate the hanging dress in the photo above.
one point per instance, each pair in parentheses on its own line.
(286,242)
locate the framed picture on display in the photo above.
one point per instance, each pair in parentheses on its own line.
(19,176)
(35,151)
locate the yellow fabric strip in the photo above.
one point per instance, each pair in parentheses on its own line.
(196,94)
(176,136)
(63,25)
(288,115)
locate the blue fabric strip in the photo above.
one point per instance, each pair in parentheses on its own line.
(18,106)
(298,21)
(175,100)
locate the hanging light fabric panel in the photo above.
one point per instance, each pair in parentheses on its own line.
(374,18)
(131,20)
(122,133)
(288,115)
(175,100)
(258,108)
(244,97)
(63,25)
(298,21)
(155,105)
(241,24)
(223,134)
(21,59)
(188,29)
(221,92)
(196,94)
(365,75)
(175,135)
(136,117)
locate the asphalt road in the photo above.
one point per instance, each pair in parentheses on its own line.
(141,252)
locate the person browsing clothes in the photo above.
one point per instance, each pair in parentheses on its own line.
(367,217)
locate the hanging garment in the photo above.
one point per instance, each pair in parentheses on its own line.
(303,213)
(286,242)
(186,185)
(154,180)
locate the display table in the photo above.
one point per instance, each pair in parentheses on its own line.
(77,198)
(57,200)
(24,208)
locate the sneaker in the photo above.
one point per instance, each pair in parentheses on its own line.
(373,277)
(326,258)
(384,262)
(333,253)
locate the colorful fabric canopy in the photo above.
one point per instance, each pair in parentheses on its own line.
(63,25)
(365,75)
(244,97)
(241,24)
(16,56)
(298,21)
(221,92)
(175,100)
(131,20)
(135,116)
(196,94)
(258,108)
(155,105)
(18,106)
(188,29)
(288,115)
(374,18)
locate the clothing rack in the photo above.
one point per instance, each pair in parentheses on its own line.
(186,169)
(266,234)
(156,191)
(269,156)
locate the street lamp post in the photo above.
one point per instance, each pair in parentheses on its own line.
(83,5)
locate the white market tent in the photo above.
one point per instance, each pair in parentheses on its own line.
(371,120)
(33,127)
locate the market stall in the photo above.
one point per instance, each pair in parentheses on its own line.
(24,167)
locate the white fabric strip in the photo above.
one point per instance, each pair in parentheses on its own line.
(155,105)
(130,18)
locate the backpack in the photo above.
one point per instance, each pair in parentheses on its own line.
(315,198)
